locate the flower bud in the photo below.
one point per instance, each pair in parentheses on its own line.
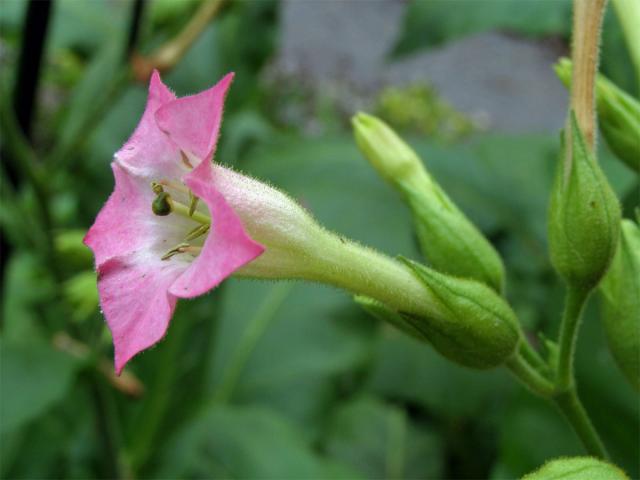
(584,214)
(474,327)
(620,290)
(450,242)
(619,115)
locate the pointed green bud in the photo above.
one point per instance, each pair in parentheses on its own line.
(619,116)
(584,214)
(620,290)
(474,326)
(448,239)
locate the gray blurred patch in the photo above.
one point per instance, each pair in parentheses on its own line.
(339,49)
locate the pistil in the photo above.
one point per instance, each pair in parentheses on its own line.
(164,204)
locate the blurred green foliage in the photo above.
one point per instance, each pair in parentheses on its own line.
(321,390)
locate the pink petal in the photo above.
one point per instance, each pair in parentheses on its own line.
(149,152)
(193,122)
(227,247)
(121,225)
(135,301)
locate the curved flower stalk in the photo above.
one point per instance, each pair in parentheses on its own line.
(177,225)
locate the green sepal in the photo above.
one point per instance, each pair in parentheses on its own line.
(620,291)
(577,468)
(618,114)
(584,214)
(474,326)
(385,314)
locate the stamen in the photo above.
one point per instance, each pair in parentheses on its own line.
(185,160)
(156,187)
(193,203)
(182,248)
(175,186)
(174,251)
(198,232)
(163,204)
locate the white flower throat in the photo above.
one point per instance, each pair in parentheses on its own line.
(167,201)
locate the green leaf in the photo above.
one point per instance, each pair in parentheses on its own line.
(310,336)
(244,442)
(412,372)
(437,21)
(381,442)
(531,431)
(34,378)
(26,284)
(96,83)
(577,468)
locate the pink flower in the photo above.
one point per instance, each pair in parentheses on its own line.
(190,240)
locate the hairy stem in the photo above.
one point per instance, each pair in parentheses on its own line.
(169,54)
(587,22)
(529,376)
(574,305)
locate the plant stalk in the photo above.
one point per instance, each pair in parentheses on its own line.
(587,23)
(573,410)
(569,326)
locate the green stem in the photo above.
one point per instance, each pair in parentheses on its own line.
(571,407)
(532,356)
(529,376)
(256,328)
(574,305)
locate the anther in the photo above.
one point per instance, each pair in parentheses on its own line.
(193,203)
(197,232)
(185,160)
(180,248)
(157,188)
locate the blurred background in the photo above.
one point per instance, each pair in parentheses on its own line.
(287,380)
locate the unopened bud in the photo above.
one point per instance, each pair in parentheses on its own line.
(448,239)
(620,290)
(584,214)
(475,326)
(618,114)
